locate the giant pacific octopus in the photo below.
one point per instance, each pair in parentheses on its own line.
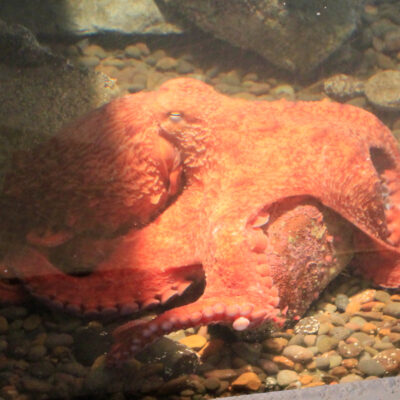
(263,202)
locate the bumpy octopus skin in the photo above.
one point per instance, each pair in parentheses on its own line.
(266,201)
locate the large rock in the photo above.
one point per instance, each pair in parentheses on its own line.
(40,91)
(82,17)
(296,35)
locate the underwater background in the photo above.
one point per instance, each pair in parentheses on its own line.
(61,59)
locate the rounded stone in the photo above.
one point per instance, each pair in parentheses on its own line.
(307,326)
(194,341)
(14,312)
(268,366)
(59,339)
(363,338)
(89,61)
(37,352)
(32,322)
(383,90)
(393,307)
(349,350)
(322,363)
(3,325)
(247,380)
(166,64)
(341,302)
(350,378)
(184,67)
(371,367)
(326,343)
(382,296)
(309,340)
(212,384)
(286,377)
(343,86)
(298,353)
(94,50)
(389,359)
(133,51)
(340,333)
(283,91)
(335,360)
(274,345)
(41,369)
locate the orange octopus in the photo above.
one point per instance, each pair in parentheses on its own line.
(263,202)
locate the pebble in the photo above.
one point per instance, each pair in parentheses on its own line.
(94,50)
(382,296)
(341,302)
(42,369)
(326,343)
(230,78)
(350,363)
(184,67)
(389,359)
(37,352)
(222,373)
(351,378)
(335,360)
(309,340)
(371,367)
(274,345)
(297,339)
(393,309)
(363,338)
(73,368)
(212,384)
(383,90)
(166,64)
(283,362)
(247,380)
(343,86)
(35,385)
(3,325)
(89,61)
(324,328)
(259,89)
(358,321)
(322,363)
(13,312)
(32,322)
(59,339)
(392,40)
(133,51)
(247,351)
(340,333)
(307,325)
(283,92)
(339,371)
(194,341)
(286,376)
(268,366)
(298,353)
(351,350)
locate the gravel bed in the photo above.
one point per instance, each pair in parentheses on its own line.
(351,333)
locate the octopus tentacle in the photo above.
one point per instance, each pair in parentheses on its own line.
(271,270)
(132,337)
(105,292)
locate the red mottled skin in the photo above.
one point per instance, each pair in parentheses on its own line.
(153,189)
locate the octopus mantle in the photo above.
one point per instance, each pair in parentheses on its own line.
(152,193)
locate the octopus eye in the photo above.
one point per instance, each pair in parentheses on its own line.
(175,116)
